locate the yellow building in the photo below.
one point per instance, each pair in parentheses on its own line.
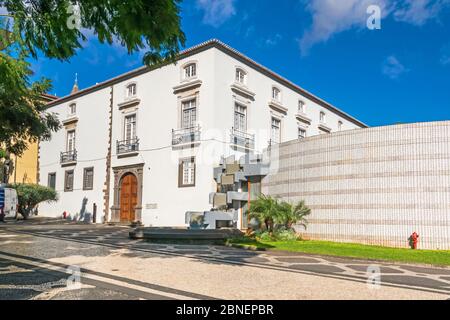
(26,166)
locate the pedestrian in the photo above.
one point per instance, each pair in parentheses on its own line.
(2,215)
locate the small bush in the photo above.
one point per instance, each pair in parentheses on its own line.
(30,195)
(278,235)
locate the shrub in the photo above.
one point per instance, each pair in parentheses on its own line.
(278,235)
(30,195)
(273,214)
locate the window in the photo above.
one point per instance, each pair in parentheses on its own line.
(301,107)
(241,76)
(301,133)
(189,114)
(340,125)
(72,109)
(190,71)
(240,118)
(70,146)
(52,180)
(276,130)
(322,117)
(276,94)
(186,173)
(130,128)
(88,179)
(131,90)
(68,181)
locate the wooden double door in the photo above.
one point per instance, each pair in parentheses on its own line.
(128,198)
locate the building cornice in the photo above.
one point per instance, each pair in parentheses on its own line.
(213,43)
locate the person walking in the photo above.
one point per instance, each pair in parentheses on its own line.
(2,215)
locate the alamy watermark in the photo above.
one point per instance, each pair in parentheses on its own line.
(374,19)
(374,277)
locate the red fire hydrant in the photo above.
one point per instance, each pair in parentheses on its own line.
(414,240)
(64,215)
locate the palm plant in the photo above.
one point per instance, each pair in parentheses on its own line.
(266,210)
(295,214)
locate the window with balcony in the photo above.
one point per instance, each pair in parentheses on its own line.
(190,130)
(88,179)
(275,130)
(239,135)
(130,142)
(240,117)
(70,155)
(186,173)
(190,71)
(276,94)
(70,145)
(189,114)
(131,90)
(241,76)
(68,180)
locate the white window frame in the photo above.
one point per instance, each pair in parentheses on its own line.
(276,97)
(272,126)
(322,117)
(190,71)
(133,130)
(189,107)
(188,172)
(71,140)
(130,94)
(240,117)
(240,76)
(340,124)
(301,129)
(301,107)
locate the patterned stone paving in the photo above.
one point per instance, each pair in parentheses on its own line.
(437,279)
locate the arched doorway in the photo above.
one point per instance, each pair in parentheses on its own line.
(128,197)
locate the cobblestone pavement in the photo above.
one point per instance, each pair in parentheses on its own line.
(48,247)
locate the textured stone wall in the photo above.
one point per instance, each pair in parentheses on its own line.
(372,186)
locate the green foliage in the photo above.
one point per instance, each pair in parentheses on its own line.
(55,27)
(22,111)
(295,214)
(277,215)
(30,195)
(278,235)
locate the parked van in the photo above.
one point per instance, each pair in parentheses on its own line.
(8,201)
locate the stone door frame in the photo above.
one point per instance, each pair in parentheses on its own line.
(119,172)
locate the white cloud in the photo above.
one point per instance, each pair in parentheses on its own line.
(418,12)
(392,68)
(330,17)
(333,16)
(216,12)
(274,40)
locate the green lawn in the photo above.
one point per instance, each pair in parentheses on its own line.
(437,258)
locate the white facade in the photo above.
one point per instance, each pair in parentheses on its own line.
(224,89)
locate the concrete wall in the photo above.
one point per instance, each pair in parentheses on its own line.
(373,186)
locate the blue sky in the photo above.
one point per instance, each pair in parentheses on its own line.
(400,73)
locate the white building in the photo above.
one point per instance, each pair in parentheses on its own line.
(142,146)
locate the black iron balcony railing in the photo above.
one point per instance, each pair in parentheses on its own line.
(242,139)
(126,146)
(186,135)
(68,156)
